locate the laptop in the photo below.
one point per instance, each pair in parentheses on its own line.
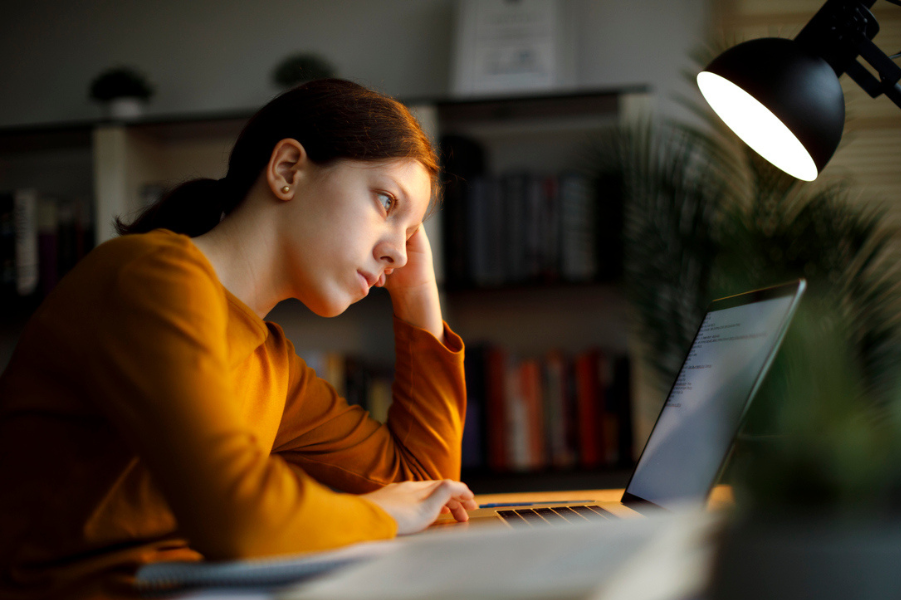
(693,436)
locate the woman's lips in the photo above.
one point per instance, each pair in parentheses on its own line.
(364,283)
(367,280)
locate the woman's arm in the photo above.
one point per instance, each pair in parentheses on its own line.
(341,445)
(414,289)
(159,370)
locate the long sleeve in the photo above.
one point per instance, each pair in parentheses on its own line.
(341,446)
(139,354)
(166,384)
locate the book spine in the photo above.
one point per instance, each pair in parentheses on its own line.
(587,403)
(551,229)
(555,412)
(496,368)
(379,397)
(555,419)
(474,426)
(517,419)
(530,382)
(25,218)
(578,261)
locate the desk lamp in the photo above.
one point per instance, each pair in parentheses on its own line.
(782,97)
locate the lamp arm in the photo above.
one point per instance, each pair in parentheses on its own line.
(889,72)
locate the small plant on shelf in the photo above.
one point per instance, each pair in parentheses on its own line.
(123,91)
(300,68)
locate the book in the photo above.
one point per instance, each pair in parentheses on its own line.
(513,224)
(496,403)
(530,381)
(577,225)
(517,429)
(549,218)
(553,411)
(474,425)
(558,416)
(25,202)
(334,372)
(589,417)
(379,397)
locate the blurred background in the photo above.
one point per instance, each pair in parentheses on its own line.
(215,56)
(593,205)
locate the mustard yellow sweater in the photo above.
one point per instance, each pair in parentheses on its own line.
(148,414)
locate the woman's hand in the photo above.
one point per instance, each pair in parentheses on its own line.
(413,289)
(416,504)
(419,270)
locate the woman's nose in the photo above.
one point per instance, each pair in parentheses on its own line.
(393,252)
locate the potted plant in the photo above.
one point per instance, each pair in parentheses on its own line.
(817,468)
(299,68)
(123,91)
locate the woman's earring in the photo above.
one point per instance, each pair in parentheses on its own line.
(286,189)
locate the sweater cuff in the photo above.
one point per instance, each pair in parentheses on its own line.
(419,337)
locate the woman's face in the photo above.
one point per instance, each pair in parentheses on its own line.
(349,224)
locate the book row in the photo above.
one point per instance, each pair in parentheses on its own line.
(556,412)
(41,239)
(522,227)
(359,382)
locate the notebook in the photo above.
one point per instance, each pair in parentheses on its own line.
(692,438)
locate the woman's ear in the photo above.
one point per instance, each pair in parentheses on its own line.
(287,165)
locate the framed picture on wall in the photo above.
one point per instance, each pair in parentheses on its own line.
(503,46)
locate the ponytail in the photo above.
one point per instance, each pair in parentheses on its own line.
(192,208)
(333,119)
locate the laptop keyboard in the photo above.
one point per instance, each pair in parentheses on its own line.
(533,517)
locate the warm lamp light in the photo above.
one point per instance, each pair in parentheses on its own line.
(782,97)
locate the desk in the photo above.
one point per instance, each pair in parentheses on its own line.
(679,555)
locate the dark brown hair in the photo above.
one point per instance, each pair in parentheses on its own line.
(333,119)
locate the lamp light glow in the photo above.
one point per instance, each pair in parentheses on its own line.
(782,97)
(757,126)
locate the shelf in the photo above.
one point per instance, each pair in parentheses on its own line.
(533,107)
(184,125)
(40,139)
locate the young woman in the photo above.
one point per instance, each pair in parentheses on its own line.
(150,413)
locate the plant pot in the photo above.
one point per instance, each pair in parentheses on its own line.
(125,108)
(801,556)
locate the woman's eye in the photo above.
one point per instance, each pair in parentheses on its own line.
(387,201)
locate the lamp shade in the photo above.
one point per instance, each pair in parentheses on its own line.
(782,100)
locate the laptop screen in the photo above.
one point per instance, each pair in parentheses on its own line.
(728,358)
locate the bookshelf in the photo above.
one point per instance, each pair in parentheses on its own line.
(116,165)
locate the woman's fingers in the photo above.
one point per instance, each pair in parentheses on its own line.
(452,495)
(414,505)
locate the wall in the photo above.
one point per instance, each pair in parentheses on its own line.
(217,56)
